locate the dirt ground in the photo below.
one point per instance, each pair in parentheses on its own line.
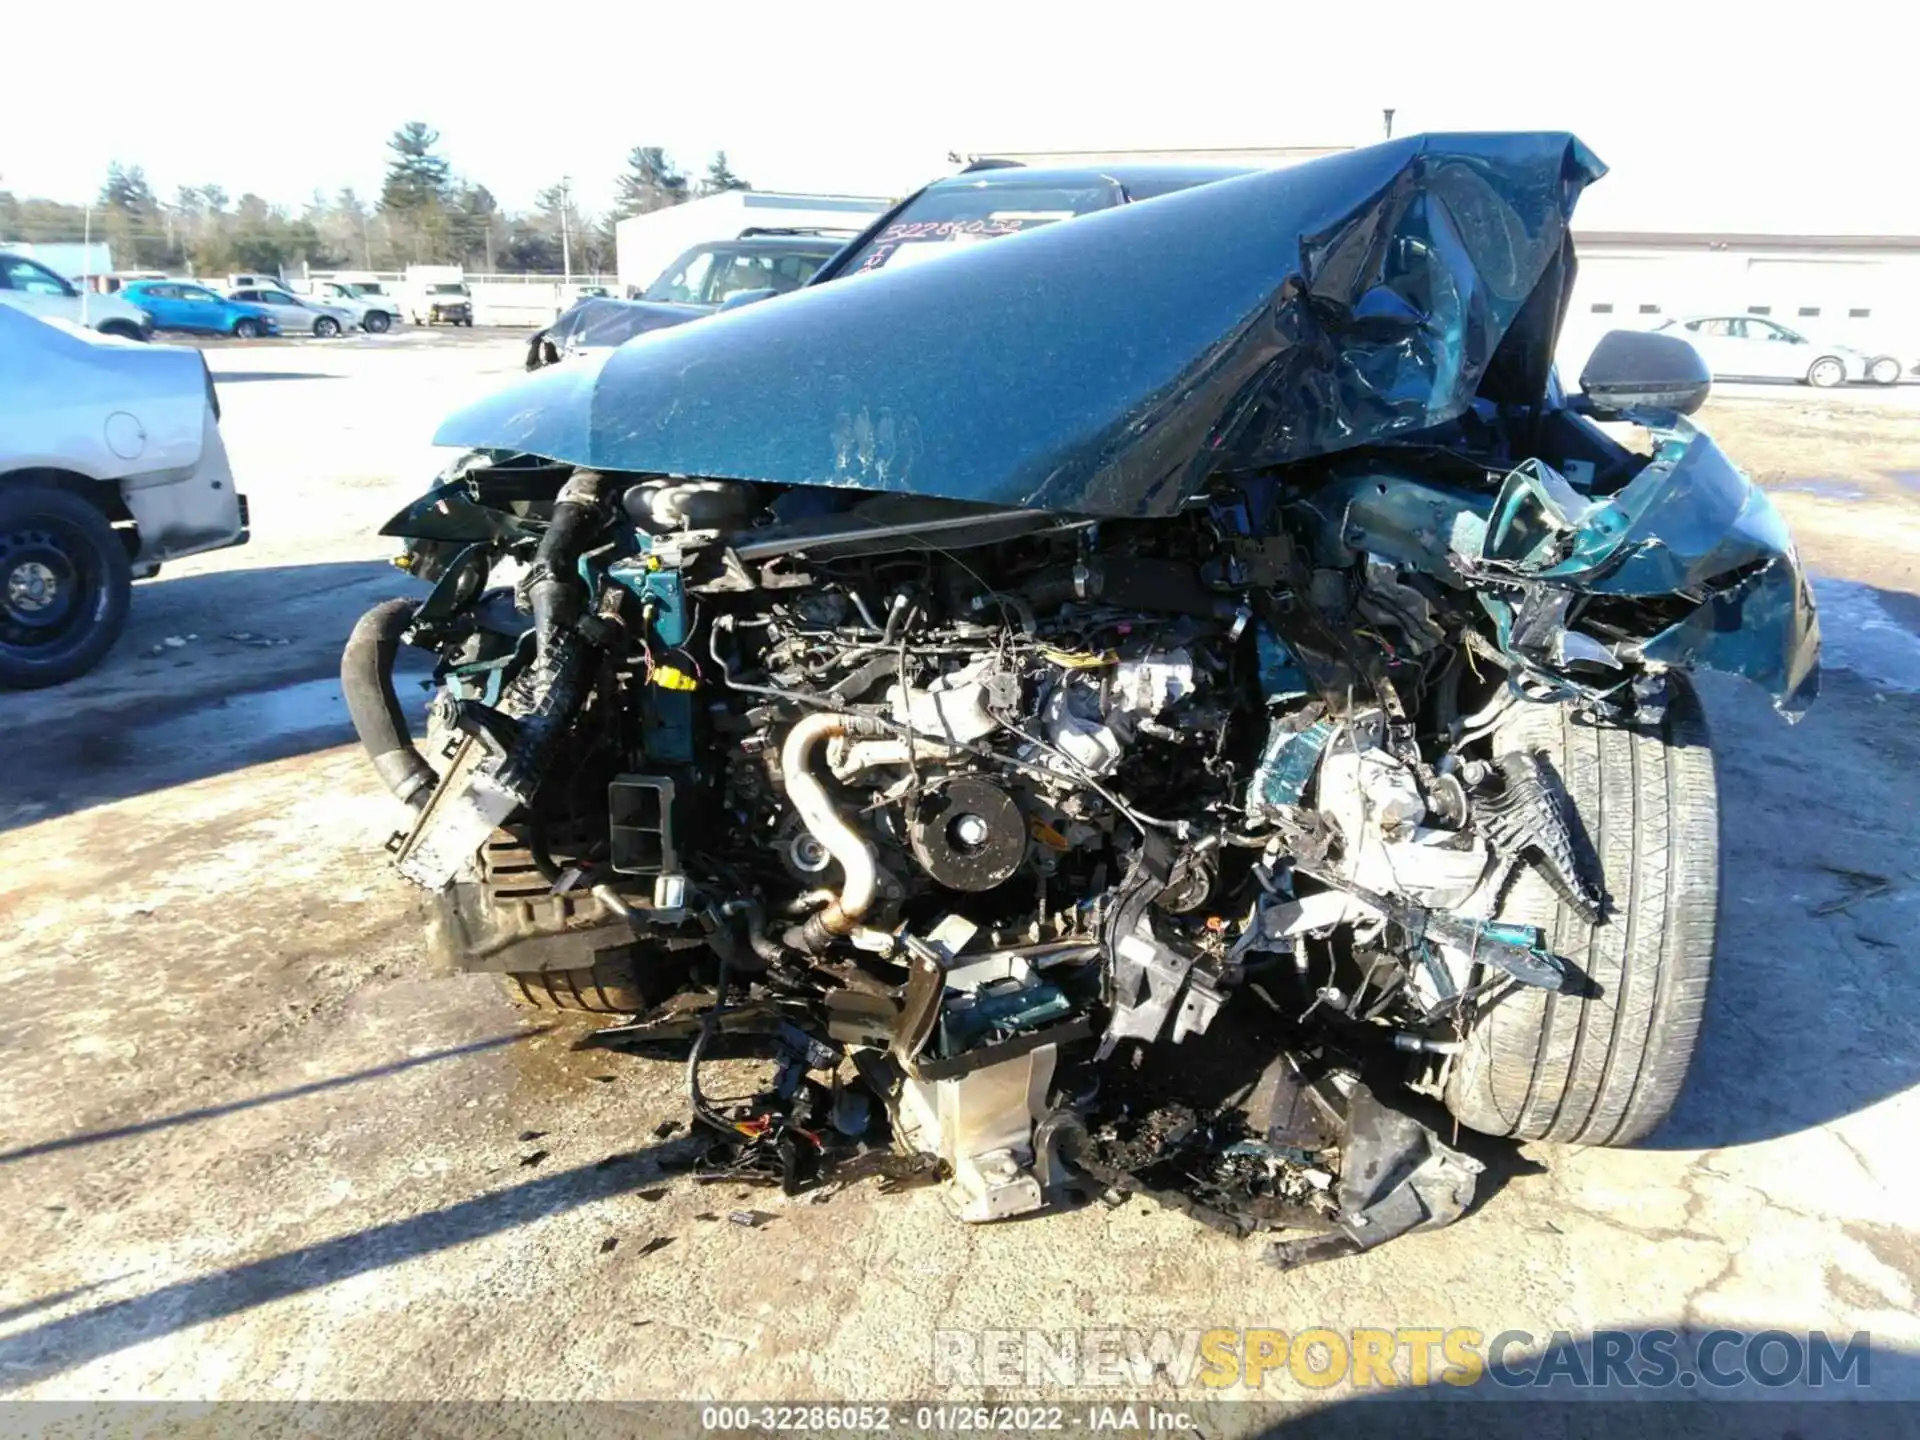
(252,1148)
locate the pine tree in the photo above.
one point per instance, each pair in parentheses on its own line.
(720,176)
(418,180)
(651,182)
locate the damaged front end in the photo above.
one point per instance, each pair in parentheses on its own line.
(1134,797)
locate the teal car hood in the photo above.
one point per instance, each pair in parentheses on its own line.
(1109,364)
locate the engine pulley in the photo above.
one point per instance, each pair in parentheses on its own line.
(969,834)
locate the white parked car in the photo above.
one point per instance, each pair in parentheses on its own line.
(378,313)
(1752,347)
(111,462)
(26,284)
(296,316)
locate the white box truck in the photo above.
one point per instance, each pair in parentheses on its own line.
(436,294)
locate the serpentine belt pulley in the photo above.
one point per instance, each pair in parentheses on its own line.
(969,834)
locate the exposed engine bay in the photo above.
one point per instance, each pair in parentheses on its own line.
(1063,854)
(1166,737)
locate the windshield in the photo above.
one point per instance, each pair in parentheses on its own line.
(446,289)
(943,219)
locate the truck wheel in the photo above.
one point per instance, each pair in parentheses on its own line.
(377,322)
(609,987)
(65,582)
(1606,1069)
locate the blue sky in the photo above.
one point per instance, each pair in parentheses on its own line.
(1706,123)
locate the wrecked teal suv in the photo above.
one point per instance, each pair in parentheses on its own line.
(1113,705)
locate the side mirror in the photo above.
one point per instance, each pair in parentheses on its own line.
(1641,370)
(747,297)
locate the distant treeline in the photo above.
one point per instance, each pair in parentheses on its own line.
(423,214)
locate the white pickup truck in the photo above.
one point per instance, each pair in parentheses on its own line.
(110,463)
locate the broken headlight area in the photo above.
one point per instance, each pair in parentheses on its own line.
(1049,855)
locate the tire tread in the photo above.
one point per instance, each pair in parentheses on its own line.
(1606,1069)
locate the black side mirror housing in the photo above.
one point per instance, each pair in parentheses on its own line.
(1642,370)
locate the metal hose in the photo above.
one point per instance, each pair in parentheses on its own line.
(858,866)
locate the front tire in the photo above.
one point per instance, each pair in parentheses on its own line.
(246,328)
(1884,371)
(326,327)
(1826,373)
(377,322)
(121,329)
(1606,1069)
(65,584)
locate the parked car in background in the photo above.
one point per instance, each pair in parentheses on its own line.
(377,313)
(296,316)
(1752,347)
(26,284)
(708,273)
(436,295)
(183,305)
(110,463)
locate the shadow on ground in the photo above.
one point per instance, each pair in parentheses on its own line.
(276,1097)
(215,673)
(56,1346)
(1808,1018)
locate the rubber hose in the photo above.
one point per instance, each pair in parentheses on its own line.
(366,678)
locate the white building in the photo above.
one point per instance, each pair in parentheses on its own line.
(1860,289)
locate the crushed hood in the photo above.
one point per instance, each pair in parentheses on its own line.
(1107,365)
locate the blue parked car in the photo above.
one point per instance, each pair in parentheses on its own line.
(182,305)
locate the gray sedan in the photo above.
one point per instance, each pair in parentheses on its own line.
(297,316)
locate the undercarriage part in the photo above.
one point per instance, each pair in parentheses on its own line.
(981,1124)
(1395,1176)
(508,917)
(366,680)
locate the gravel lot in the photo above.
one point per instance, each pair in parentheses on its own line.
(252,1149)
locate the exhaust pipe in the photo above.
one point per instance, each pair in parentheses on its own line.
(366,678)
(841,915)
